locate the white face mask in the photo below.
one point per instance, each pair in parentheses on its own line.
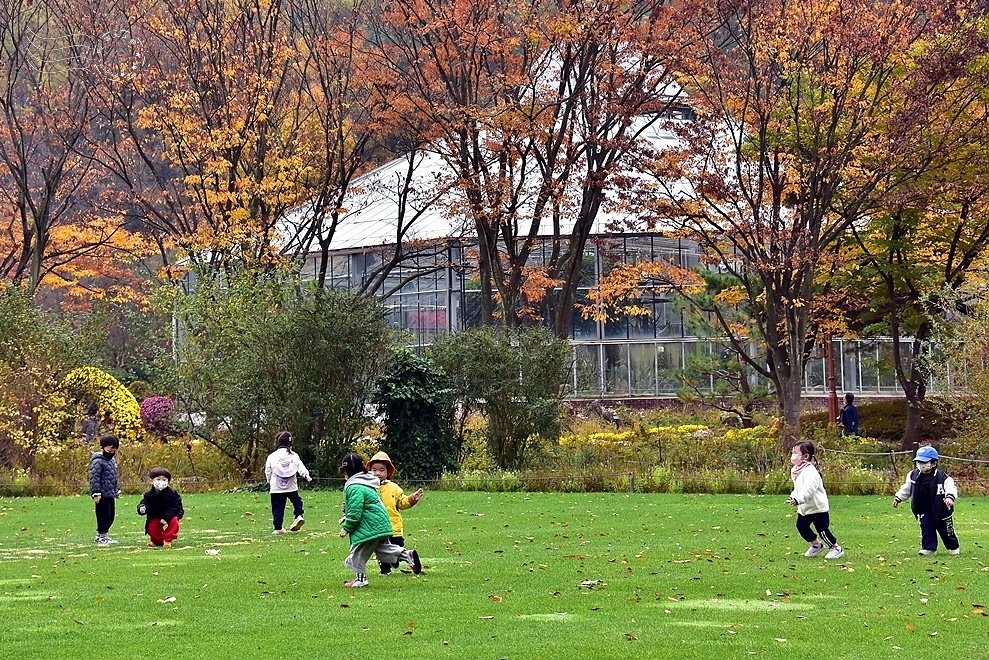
(160,484)
(925,467)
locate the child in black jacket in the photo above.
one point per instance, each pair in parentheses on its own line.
(163,507)
(934,494)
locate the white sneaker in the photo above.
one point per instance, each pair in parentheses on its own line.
(956,551)
(109,541)
(835,553)
(926,553)
(814,550)
(279,532)
(297,524)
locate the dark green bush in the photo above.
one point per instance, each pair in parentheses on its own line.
(886,420)
(415,399)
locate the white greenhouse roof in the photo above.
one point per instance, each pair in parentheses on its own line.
(372,213)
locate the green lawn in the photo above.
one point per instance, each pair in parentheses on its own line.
(669,576)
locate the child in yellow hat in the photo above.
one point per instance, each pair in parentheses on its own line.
(394,499)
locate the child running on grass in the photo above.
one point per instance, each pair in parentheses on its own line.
(394,500)
(104,487)
(934,494)
(366,520)
(163,507)
(811,501)
(281,470)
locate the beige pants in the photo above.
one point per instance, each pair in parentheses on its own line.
(386,551)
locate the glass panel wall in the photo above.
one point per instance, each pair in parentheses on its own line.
(642,368)
(626,356)
(616,369)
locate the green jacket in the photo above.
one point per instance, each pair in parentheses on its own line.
(366,518)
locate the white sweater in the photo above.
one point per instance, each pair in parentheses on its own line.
(808,491)
(283,462)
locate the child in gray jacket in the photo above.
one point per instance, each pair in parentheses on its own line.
(104,486)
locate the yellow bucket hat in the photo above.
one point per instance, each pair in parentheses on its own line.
(382,457)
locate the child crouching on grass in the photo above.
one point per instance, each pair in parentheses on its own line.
(394,499)
(811,501)
(366,520)
(163,507)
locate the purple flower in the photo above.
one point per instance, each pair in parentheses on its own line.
(155,412)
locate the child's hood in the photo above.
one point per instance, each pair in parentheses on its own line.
(363,479)
(285,464)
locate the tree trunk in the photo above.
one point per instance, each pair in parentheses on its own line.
(911,434)
(915,389)
(789,400)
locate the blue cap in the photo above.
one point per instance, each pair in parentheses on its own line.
(925,454)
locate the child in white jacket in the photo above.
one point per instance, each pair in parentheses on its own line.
(811,501)
(281,471)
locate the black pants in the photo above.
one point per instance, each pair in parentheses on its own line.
(278,506)
(822,522)
(930,527)
(386,568)
(105,512)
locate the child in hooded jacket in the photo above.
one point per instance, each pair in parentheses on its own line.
(394,499)
(282,470)
(367,523)
(811,501)
(934,494)
(163,507)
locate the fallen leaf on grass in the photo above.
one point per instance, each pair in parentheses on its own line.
(212,552)
(486,618)
(495,598)
(170,599)
(591,584)
(780,639)
(979,609)
(630,637)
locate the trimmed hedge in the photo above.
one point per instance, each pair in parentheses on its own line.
(886,419)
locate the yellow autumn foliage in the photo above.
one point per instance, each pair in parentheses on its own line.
(56,413)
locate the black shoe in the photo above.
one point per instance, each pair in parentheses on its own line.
(414,562)
(385,569)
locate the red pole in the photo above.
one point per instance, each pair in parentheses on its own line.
(829,370)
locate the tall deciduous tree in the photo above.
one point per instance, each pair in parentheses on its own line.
(224,116)
(51,226)
(533,106)
(804,112)
(915,262)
